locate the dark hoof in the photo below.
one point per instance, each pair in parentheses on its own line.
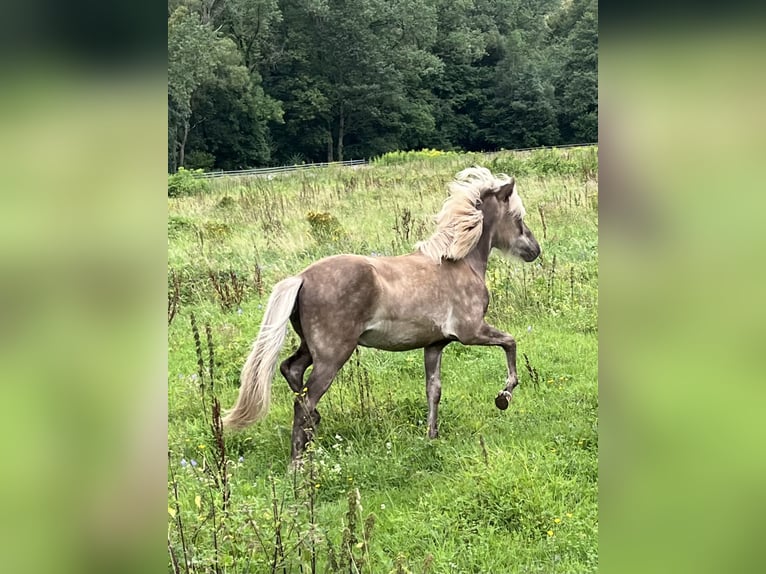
(502,400)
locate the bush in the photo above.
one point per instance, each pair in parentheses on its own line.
(572,161)
(399,157)
(178,224)
(325,227)
(185,182)
(199,159)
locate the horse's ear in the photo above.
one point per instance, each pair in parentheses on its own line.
(506,190)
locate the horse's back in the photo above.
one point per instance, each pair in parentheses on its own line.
(350,276)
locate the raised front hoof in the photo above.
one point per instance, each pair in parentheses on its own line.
(502,400)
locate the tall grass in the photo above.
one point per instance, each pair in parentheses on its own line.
(511,491)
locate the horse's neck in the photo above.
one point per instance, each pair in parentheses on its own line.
(479,256)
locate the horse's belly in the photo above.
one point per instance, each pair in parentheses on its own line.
(399,335)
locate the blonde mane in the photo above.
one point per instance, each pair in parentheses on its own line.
(460,222)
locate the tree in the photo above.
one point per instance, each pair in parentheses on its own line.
(252,82)
(217,108)
(577,84)
(230,116)
(353,75)
(192,52)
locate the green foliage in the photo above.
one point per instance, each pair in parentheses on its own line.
(577,84)
(581,161)
(227,202)
(179,224)
(184,182)
(253,83)
(325,227)
(198,159)
(399,157)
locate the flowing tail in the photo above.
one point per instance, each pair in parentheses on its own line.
(255,390)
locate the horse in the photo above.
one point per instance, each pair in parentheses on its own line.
(426,299)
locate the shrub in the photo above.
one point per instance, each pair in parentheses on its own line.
(186,182)
(552,161)
(325,227)
(399,157)
(178,224)
(199,159)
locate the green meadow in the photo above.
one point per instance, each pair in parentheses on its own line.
(498,491)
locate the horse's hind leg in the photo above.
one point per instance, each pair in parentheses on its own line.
(294,367)
(305,415)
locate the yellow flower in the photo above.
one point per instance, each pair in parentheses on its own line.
(556,520)
(201,446)
(550,533)
(569,515)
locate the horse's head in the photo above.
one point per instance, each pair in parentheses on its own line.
(510,234)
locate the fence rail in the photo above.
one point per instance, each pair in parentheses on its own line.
(290,168)
(279,169)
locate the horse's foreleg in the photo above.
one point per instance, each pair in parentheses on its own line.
(432,356)
(489,336)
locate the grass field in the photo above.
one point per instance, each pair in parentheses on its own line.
(499,491)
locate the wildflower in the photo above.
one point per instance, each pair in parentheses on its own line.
(194,377)
(183,462)
(239,310)
(569,515)
(529,329)
(336,469)
(241,459)
(382,506)
(556,520)
(550,533)
(193,462)
(388,446)
(201,447)
(338,437)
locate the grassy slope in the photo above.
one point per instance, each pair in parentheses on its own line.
(530,506)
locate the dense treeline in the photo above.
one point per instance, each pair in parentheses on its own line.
(260,82)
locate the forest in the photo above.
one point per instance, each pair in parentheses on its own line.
(267,82)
